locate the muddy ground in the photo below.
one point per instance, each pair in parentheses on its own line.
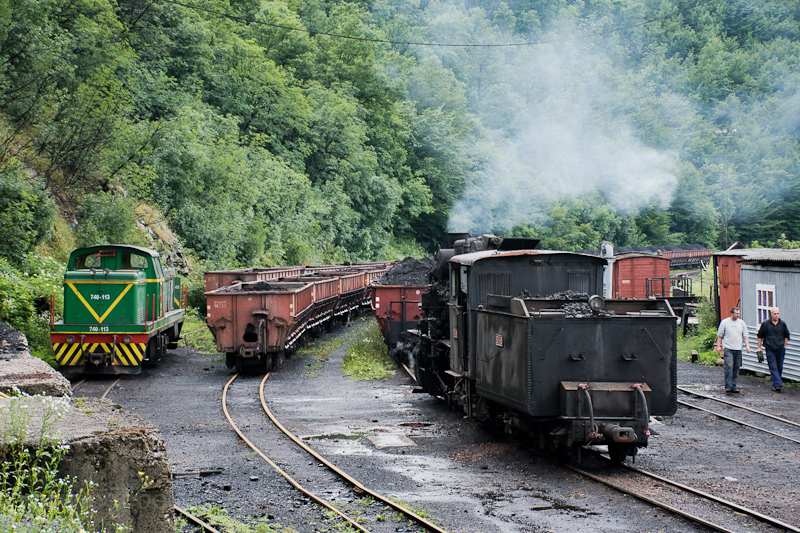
(466,479)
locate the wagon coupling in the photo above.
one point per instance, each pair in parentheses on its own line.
(618,434)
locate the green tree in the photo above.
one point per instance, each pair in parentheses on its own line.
(107,218)
(26,212)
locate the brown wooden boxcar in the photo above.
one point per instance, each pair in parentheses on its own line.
(632,270)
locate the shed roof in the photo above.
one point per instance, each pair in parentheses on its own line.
(632,255)
(774,255)
(471,258)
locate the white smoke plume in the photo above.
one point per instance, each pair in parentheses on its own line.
(557,126)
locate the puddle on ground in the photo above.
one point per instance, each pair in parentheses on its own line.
(390,441)
(335,436)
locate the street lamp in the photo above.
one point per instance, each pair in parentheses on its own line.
(724,134)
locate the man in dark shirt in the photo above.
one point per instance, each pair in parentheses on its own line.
(775,335)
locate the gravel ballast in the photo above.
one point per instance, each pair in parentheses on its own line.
(465,478)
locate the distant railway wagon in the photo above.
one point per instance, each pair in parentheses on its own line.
(397,310)
(256,322)
(122,308)
(215,279)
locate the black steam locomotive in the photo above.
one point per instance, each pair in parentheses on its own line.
(510,335)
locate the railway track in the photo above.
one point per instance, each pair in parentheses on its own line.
(746,416)
(696,506)
(194,520)
(94,387)
(369,515)
(700,507)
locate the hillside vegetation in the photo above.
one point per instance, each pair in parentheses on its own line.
(287,132)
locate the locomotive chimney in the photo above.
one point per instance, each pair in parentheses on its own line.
(607,253)
(453,237)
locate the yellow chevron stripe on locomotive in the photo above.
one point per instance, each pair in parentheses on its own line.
(123,354)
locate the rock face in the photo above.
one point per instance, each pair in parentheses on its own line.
(126,460)
(18,368)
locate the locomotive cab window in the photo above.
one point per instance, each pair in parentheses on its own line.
(91,260)
(134,261)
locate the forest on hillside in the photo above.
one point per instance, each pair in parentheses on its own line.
(288,132)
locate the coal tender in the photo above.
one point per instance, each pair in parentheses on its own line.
(510,335)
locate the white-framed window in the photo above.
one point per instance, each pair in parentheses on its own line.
(765,301)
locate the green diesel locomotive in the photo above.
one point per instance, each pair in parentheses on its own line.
(122,309)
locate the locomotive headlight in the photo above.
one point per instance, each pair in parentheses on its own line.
(596,303)
(70,339)
(127,340)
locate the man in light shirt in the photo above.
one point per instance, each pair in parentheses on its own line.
(732,333)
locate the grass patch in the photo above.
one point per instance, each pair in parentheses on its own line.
(196,333)
(367,357)
(220,519)
(318,352)
(321,350)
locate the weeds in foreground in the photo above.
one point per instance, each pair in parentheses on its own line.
(32,496)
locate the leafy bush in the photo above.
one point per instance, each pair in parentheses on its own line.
(25,299)
(26,212)
(105,218)
(708,338)
(707,314)
(60,243)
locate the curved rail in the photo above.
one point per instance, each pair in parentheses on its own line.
(80,383)
(103,397)
(399,508)
(192,518)
(278,469)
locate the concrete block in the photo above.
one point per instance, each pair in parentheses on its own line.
(18,368)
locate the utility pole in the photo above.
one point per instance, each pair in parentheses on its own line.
(724,134)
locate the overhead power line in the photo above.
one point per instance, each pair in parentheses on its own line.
(313,33)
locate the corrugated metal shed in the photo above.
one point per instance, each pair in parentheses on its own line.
(772,279)
(771,255)
(632,270)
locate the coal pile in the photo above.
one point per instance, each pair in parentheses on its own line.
(259,286)
(567,295)
(582,310)
(409,271)
(576,304)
